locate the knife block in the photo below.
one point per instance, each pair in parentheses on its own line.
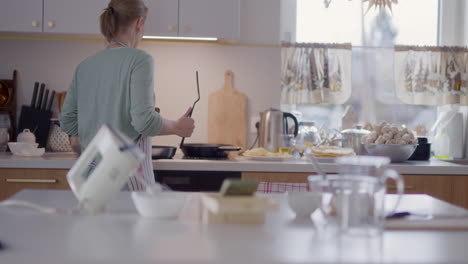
(37,121)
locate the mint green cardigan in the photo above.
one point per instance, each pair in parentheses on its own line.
(113,87)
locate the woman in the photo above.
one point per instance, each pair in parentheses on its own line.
(115,87)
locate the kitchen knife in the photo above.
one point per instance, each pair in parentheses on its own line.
(41,93)
(33,100)
(51,101)
(46,96)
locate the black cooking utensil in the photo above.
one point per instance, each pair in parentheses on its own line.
(41,94)
(163,152)
(34,95)
(44,104)
(193,106)
(51,101)
(195,150)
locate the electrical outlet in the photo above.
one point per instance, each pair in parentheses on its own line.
(253,121)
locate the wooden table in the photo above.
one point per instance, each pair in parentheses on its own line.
(121,236)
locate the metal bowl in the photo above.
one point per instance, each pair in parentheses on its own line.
(163,152)
(396,153)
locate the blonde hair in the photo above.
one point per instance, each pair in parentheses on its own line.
(119,14)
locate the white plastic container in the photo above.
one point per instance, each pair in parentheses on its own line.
(160,205)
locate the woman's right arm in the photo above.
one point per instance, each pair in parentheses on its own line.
(144,118)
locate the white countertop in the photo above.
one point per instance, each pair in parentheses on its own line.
(66,160)
(50,160)
(433,167)
(121,236)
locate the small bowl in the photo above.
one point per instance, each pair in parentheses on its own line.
(25,149)
(161,205)
(396,153)
(304,203)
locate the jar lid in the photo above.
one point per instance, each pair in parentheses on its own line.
(307,123)
(358,130)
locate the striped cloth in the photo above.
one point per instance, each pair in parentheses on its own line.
(280,187)
(146,167)
(144,171)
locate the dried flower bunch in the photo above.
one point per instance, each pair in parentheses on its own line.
(385,133)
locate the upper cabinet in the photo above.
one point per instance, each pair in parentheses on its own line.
(209,18)
(194,18)
(186,18)
(72,16)
(21,15)
(58,16)
(163,18)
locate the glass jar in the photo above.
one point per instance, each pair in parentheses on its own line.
(308,134)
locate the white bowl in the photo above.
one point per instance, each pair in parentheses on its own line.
(25,149)
(160,205)
(396,153)
(304,203)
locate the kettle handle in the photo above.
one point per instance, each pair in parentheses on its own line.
(296,123)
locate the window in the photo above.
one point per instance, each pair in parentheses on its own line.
(343,20)
(372,34)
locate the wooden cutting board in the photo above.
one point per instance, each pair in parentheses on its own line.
(227,115)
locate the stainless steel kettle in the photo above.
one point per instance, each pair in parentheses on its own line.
(273,126)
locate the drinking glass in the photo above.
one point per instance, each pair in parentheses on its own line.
(357,203)
(286,144)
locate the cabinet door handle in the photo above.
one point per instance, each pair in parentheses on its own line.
(31,180)
(51,24)
(187,29)
(171,28)
(35,23)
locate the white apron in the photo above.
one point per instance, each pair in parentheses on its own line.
(146,167)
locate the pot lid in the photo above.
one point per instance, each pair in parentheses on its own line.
(356,131)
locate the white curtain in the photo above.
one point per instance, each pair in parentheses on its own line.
(431,75)
(315,73)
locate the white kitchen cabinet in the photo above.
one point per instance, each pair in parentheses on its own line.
(184,18)
(21,15)
(163,18)
(193,18)
(209,18)
(71,16)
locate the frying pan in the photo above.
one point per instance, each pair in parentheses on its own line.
(163,152)
(197,150)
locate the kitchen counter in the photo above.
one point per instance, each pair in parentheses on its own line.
(121,236)
(66,160)
(432,167)
(50,160)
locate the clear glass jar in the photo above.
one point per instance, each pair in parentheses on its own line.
(308,134)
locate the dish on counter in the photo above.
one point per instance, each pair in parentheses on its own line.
(262,154)
(269,158)
(25,149)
